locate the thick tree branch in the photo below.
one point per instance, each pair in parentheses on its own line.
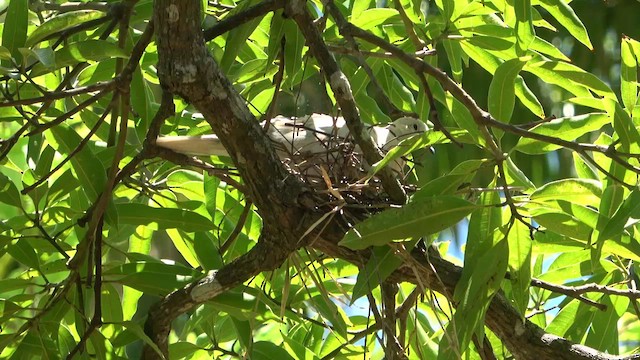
(186,69)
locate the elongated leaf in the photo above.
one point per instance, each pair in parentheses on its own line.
(89,50)
(449,184)
(580,191)
(490,63)
(266,350)
(562,223)
(428,216)
(9,193)
(568,128)
(628,75)
(624,126)
(237,38)
(276,31)
(502,89)
(14,32)
(629,208)
(524,26)
(61,22)
(380,265)
(520,265)
(87,167)
(293,53)
(405,147)
(166,218)
(371,18)
(151,277)
(568,18)
(454,54)
(569,77)
(139,331)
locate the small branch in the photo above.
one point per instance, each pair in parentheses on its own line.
(56,95)
(232,21)
(236,231)
(383,55)
(502,178)
(60,119)
(78,148)
(342,26)
(575,291)
(69,6)
(277,82)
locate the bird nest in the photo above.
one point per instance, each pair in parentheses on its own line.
(341,177)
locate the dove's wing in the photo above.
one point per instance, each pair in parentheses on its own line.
(193,145)
(311,134)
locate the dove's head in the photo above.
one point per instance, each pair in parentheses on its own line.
(401,129)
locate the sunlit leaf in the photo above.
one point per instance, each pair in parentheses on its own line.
(427,216)
(502,91)
(568,129)
(60,23)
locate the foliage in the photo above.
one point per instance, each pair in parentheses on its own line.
(96,229)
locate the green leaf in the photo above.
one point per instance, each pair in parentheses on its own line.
(88,168)
(406,147)
(428,216)
(5,54)
(293,53)
(624,126)
(299,349)
(151,277)
(567,128)
(60,23)
(490,63)
(454,54)
(81,51)
(580,191)
(628,74)
(265,350)
(111,308)
(166,218)
(14,32)
(517,177)
(481,277)
(450,183)
(139,331)
(525,34)
(567,18)
(371,18)
(629,210)
(520,265)
(237,38)
(502,89)
(562,223)
(568,77)
(380,265)
(9,193)
(22,252)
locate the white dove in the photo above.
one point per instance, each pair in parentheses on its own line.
(310,141)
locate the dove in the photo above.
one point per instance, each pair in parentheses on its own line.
(309,141)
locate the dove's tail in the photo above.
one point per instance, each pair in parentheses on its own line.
(193,145)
